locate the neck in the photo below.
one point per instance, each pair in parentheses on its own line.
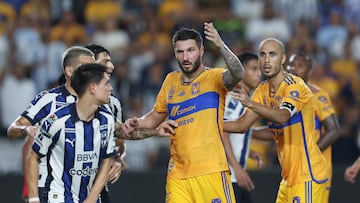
(188,78)
(247,88)
(86,108)
(69,88)
(277,80)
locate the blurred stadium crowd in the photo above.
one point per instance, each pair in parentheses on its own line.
(34,34)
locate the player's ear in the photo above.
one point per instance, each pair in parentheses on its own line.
(283,59)
(92,87)
(68,70)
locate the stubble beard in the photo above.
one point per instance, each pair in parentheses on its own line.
(196,66)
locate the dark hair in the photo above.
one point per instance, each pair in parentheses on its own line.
(245,57)
(86,74)
(308,59)
(70,56)
(97,49)
(187,33)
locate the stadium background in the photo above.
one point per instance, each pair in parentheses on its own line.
(34,33)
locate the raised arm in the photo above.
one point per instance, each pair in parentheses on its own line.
(236,69)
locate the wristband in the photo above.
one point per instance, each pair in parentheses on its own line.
(34,199)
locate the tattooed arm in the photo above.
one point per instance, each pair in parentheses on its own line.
(165,129)
(136,134)
(236,69)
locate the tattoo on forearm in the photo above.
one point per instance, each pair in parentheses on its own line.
(235,68)
(137,134)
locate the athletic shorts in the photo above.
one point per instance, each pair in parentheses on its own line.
(307,192)
(211,188)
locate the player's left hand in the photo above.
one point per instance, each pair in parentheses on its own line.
(116,168)
(242,96)
(167,128)
(212,34)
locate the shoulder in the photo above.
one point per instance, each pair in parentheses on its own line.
(114,101)
(105,111)
(320,95)
(296,83)
(56,116)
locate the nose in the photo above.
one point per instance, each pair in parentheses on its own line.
(186,56)
(267,58)
(111,65)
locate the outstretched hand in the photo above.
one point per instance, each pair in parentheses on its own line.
(212,34)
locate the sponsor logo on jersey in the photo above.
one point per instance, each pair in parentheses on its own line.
(71,142)
(87,156)
(83,172)
(186,121)
(294,95)
(176,111)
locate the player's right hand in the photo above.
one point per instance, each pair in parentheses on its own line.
(167,128)
(130,124)
(243,179)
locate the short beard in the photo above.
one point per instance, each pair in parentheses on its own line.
(196,66)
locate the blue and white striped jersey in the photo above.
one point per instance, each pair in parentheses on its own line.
(74,150)
(240,142)
(47,102)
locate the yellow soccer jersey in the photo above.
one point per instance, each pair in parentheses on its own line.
(323,109)
(198,108)
(299,156)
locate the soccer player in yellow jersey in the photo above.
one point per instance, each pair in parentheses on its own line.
(326,123)
(193,99)
(288,106)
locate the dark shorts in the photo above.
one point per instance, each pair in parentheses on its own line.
(241,195)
